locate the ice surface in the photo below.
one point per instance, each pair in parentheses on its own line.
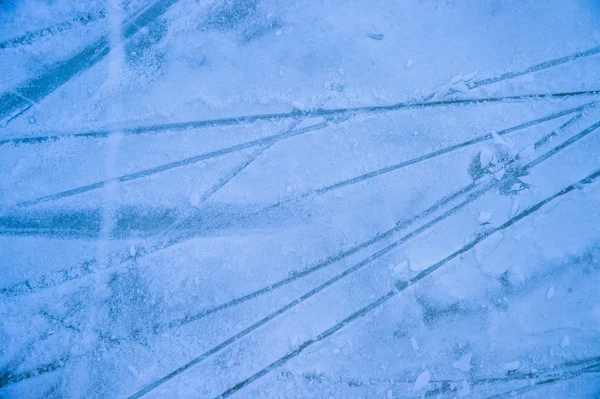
(260,199)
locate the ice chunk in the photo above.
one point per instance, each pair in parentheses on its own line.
(463,78)
(461,87)
(565,342)
(485,157)
(298,105)
(414,343)
(195,198)
(409,63)
(525,179)
(484,217)
(528,151)
(498,175)
(465,390)
(512,366)
(442,91)
(132,251)
(400,267)
(499,140)
(550,293)
(390,394)
(469,76)
(422,380)
(464,363)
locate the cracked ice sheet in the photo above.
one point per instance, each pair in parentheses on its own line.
(37,34)
(497,320)
(367,208)
(65,169)
(195,65)
(322,57)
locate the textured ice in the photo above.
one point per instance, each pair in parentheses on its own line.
(259,199)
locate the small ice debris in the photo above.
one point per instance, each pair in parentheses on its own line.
(527,151)
(409,63)
(565,342)
(525,179)
(390,394)
(288,189)
(400,267)
(442,91)
(499,140)
(416,266)
(484,217)
(513,393)
(132,251)
(465,390)
(550,293)
(512,366)
(531,382)
(298,105)
(485,157)
(195,198)
(499,174)
(461,87)
(336,351)
(422,380)
(414,344)
(277,33)
(516,187)
(469,76)
(464,363)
